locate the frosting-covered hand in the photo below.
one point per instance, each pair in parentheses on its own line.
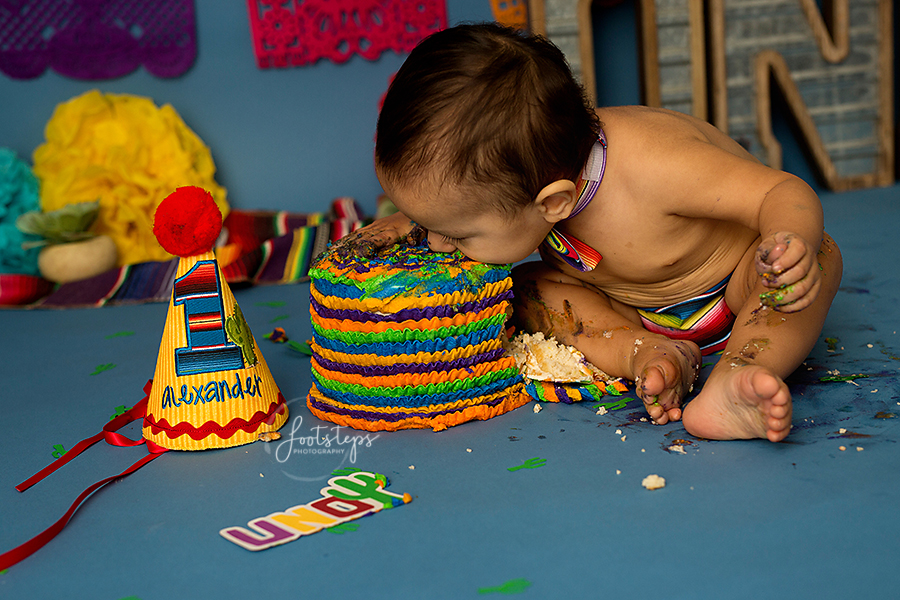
(787,265)
(383,233)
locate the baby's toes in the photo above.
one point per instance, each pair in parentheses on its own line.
(669,399)
(656,411)
(674,414)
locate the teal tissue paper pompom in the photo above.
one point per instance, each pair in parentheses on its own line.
(18,195)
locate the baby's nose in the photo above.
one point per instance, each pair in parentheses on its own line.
(439,244)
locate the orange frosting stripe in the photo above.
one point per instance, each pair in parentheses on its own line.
(414,379)
(421,325)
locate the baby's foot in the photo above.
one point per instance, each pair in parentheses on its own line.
(741,403)
(666,370)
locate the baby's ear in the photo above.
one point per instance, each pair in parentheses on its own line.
(557,200)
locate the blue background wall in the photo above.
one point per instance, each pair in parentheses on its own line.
(289,139)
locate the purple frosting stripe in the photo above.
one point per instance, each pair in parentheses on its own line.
(394,417)
(411,314)
(379,370)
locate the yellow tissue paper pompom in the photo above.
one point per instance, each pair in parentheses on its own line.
(127,153)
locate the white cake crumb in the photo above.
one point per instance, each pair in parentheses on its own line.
(412,467)
(653,482)
(618,472)
(623,437)
(618,432)
(537,408)
(468,449)
(602,410)
(842,431)
(842,448)
(859,448)
(677,448)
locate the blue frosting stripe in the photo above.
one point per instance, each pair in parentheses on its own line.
(402,335)
(419,390)
(411,347)
(420,367)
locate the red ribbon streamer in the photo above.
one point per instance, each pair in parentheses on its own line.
(7,559)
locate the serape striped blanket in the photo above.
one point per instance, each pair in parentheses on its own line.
(261,247)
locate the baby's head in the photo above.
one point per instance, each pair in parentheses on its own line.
(482,117)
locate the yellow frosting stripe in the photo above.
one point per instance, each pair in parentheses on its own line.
(432,324)
(416,379)
(399,303)
(395,359)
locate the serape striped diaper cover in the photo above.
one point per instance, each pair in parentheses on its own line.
(704,319)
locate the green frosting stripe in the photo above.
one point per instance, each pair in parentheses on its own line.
(393,335)
(428,389)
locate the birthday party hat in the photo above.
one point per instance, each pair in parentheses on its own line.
(212,387)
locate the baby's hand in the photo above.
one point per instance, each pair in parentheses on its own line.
(787,265)
(383,233)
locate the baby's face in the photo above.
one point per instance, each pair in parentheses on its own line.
(486,236)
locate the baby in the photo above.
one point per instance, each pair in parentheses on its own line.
(661,238)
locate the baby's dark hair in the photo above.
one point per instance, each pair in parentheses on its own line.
(491,107)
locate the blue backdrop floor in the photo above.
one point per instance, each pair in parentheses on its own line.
(800,519)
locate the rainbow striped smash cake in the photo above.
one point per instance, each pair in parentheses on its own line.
(410,339)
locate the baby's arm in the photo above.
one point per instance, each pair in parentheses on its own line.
(383,233)
(791,226)
(701,173)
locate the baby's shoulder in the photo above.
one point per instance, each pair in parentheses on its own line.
(644,124)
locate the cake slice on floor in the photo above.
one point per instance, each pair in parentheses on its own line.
(558,373)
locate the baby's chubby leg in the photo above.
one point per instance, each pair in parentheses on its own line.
(609,334)
(745,395)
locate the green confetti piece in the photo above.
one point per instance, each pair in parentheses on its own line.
(513,586)
(531,463)
(301,347)
(280,318)
(119,334)
(100,368)
(58,450)
(614,405)
(272,304)
(120,410)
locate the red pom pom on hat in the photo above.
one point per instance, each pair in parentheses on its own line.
(187,222)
